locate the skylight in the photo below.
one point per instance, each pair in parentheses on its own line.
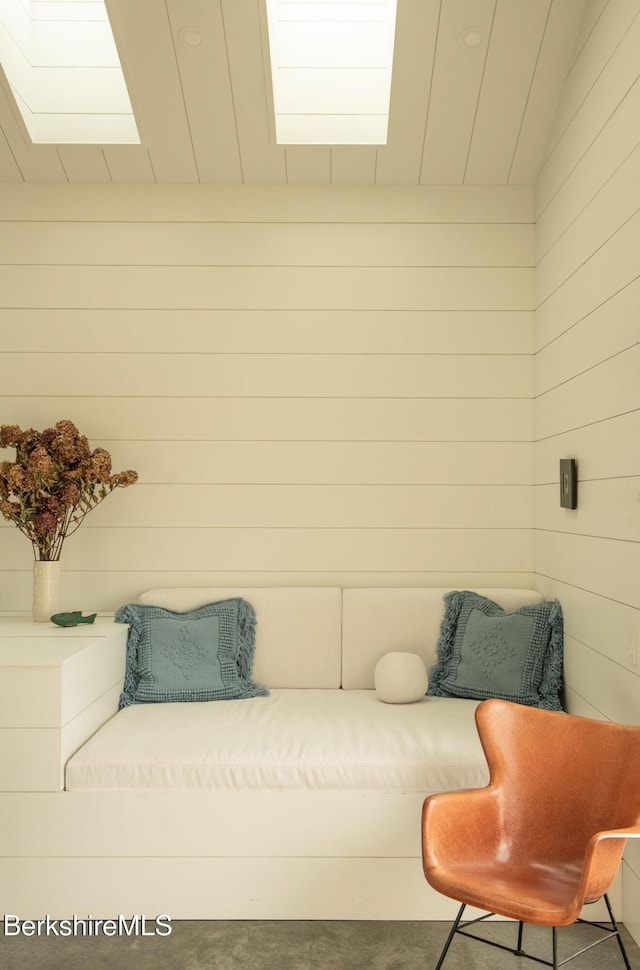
(331,66)
(61,62)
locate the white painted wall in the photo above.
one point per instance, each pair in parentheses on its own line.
(316,385)
(588,375)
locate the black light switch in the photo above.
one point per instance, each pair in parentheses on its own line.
(568,483)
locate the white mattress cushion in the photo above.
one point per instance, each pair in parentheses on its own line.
(292,739)
(379,621)
(298,631)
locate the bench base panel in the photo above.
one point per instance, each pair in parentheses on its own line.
(217,855)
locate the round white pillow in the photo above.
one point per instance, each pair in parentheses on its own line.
(400,678)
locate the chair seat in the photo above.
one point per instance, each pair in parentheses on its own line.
(536,894)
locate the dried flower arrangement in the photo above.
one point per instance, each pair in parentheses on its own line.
(55,481)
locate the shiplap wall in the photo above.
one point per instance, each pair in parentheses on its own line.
(316,385)
(588,375)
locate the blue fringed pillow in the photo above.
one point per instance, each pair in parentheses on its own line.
(204,654)
(485,652)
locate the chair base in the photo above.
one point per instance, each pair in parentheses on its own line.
(610,932)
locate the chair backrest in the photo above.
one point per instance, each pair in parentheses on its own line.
(560,779)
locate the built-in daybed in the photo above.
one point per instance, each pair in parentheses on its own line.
(304,803)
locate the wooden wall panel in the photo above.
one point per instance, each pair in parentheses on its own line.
(589,672)
(587,374)
(252,287)
(611,268)
(270,203)
(617,142)
(602,218)
(279,375)
(263,550)
(607,630)
(612,50)
(602,450)
(609,508)
(611,328)
(283,419)
(106,589)
(314,387)
(266,244)
(316,504)
(328,462)
(601,392)
(267,331)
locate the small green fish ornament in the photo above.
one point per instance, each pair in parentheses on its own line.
(72,619)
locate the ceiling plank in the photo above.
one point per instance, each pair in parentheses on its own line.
(558,42)
(308,165)
(145,44)
(36,163)
(84,163)
(353,165)
(247,45)
(197,73)
(592,12)
(513,51)
(201,54)
(128,163)
(614,22)
(9,171)
(399,160)
(455,90)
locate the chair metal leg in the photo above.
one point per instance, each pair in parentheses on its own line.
(463,930)
(519,952)
(617,933)
(452,933)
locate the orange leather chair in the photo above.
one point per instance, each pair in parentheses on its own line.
(547,834)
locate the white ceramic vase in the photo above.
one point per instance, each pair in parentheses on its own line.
(46,587)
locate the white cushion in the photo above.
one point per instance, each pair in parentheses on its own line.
(297,634)
(376,621)
(292,739)
(400,678)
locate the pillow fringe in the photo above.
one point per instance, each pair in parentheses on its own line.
(127,697)
(247,631)
(438,672)
(553,680)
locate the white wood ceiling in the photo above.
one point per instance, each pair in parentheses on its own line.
(459,115)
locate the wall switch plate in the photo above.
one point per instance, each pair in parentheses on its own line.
(568,483)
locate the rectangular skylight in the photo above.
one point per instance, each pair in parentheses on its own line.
(331,64)
(61,62)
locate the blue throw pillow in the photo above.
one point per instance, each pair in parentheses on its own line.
(485,652)
(204,654)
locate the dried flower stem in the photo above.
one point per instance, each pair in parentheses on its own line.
(55,481)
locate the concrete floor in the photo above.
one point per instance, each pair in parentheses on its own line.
(294,945)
